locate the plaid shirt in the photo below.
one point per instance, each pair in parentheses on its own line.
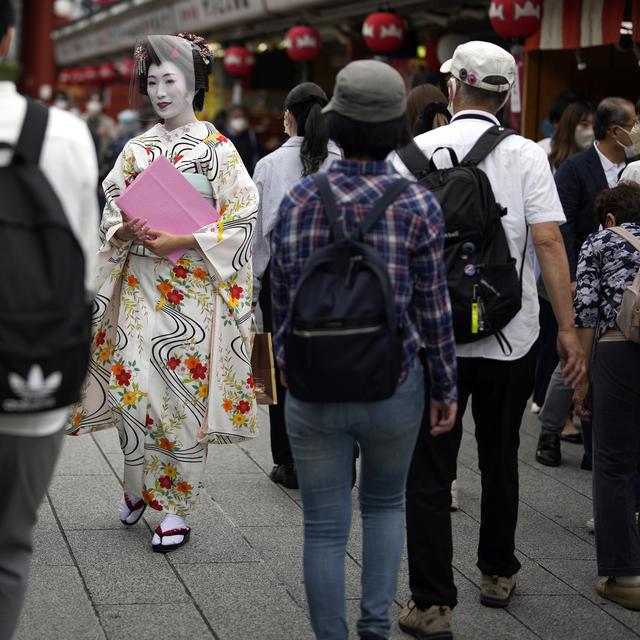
(410,240)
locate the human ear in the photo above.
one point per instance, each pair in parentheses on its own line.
(610,221)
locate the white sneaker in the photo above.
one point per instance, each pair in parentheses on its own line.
(535,408)
(591,526)
(454,497)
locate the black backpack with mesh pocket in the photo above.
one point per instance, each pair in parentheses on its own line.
(45,324)
(484,285)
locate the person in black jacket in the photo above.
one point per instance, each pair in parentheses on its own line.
(579,180)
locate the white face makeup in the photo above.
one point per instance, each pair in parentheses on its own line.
(167,90)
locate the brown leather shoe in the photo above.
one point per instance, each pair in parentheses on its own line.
(433,623)
(628,597)
(496,591)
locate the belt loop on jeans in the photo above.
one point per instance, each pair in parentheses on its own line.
(613,335)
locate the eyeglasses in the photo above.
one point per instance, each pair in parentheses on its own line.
(627,126)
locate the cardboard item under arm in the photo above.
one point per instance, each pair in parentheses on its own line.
(164,197)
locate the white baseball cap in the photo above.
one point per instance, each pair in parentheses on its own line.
(483,65)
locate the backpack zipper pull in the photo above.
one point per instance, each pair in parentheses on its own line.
(354,264)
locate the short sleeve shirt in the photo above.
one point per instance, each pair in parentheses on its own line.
(519,172)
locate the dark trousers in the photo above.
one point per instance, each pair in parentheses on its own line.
(547,354)
(280,447)
(499,392)
(26,467)
(616,456)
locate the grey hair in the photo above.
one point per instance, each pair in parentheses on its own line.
(475,96)
(610,111)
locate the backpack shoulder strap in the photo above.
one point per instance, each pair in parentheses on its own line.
(628,236)
(29,145)
(381,204)
(414,160)
(329,202)
(487,142)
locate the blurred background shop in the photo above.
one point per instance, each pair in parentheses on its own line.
(79,52)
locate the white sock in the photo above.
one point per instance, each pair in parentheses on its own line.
(628,581)
(171,521)
(124,512)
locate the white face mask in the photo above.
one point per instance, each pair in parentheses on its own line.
(61,104)
(630,151)
(238,125)
(167,90)
(94,107)
(584,137)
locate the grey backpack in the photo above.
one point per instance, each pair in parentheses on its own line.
(628,317)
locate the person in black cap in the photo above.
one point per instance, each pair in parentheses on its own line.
(307,150)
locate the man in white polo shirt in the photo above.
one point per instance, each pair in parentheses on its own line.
(30,442)
(498,383)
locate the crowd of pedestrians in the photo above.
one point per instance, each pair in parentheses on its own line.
(411,257)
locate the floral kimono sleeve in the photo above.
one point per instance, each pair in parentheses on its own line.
(226,244)
(123,173)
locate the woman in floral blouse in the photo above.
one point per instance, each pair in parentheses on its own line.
(170,363)
(607,265)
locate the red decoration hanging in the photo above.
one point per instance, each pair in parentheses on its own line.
(64,77)
(431,58)
(383,32)
(107,72)
(303,43)
(76,76)
(90,74)
(125,68)
(515,18)
(239,61)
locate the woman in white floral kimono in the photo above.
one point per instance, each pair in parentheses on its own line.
(170,363)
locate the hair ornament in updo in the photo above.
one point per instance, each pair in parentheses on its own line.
(200,43)
(141,56)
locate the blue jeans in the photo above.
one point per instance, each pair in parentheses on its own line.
(322,438)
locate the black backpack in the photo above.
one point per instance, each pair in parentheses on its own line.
(45,321)
(343,343)
(484,285)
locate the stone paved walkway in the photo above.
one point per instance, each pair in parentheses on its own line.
(240,577)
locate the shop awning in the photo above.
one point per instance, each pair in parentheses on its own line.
(573,24)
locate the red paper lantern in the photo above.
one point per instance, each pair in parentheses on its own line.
(90,74)
(515,18)
(303,43)
(239,61)
(383,32)
(107,72)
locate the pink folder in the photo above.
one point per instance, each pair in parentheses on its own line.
(164,197)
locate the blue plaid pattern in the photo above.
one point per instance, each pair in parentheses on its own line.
(409,238)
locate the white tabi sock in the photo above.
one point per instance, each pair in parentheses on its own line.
(628,581)
(171,521)
(126,515)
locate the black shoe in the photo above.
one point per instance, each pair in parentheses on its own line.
(285,474)
(548,452)
(573,438)
(586,465)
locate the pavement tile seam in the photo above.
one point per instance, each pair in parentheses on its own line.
(523,501)
(166,556)
(76,565)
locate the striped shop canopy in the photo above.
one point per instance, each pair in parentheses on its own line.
(572,24)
